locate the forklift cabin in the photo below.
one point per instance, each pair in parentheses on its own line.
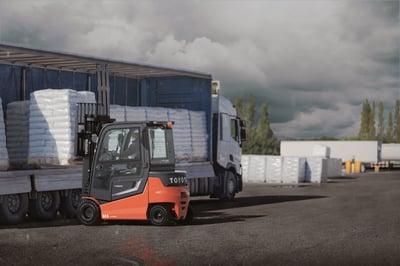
(139,185)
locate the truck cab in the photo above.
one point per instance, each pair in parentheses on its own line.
(129,174)
(229,134)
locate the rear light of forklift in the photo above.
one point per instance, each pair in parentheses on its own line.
(184,200)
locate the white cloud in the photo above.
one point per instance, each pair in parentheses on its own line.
(306,58)
(318,122)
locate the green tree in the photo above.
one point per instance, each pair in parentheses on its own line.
(397,122)
(265,139)
(259,136)
(381,121)
(389,129)
(250,110)
(246,111)
(371,128)
(239,104)
(363,134)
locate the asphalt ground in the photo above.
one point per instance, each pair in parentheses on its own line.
(351,220)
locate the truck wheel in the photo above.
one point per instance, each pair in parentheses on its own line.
(230,186)
(159,215)
(88,212)
(45,206)
(69,204)
(14,207)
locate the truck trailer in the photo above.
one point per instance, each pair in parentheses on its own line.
(50,188)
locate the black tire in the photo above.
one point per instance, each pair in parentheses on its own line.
(45,206)
(159,215)
(69,204)
(14,208)
(88,212)
(230,189)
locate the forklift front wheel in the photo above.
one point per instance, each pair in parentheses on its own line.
(159,215)
(88,212)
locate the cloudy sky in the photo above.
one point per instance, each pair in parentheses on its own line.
(315,62)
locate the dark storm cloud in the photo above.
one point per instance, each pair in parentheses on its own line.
(315,62)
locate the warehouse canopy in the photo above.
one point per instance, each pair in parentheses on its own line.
(30,57)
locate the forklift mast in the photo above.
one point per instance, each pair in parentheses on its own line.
(90,119)
(103,90)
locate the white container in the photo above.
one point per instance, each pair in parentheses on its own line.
(256,169)
(293,170)
(316,170)
(364,151)
(274,169)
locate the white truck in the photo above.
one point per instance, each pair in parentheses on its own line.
(390,153)
(55,187)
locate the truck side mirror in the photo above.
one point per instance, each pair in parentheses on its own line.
(242,130)
(95,138)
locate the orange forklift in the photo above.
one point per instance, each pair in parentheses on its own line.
(128,168)
(129,173)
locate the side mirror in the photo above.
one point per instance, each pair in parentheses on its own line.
(242,130)
(95,138)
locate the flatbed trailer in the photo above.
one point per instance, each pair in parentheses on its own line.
(50,189)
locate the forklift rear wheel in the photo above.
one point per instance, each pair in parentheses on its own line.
(159,215)
(88,212)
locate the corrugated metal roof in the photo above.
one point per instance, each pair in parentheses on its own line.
(25,56)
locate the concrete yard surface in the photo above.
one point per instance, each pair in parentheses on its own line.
(351,220)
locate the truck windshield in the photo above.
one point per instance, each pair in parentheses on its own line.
(161,148)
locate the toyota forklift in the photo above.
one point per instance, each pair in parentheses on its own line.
(128,168)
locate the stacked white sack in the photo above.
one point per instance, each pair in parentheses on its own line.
(293,170)
(316,170)
(334,168)
(321,151)
(4,163)
(18,132)
(245,168)
(52,125)
(262,169)
(133,113)
(156,114)
(274,169)
(190,134)
(182,134)
(117,112)
(199,135)
(256,169)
